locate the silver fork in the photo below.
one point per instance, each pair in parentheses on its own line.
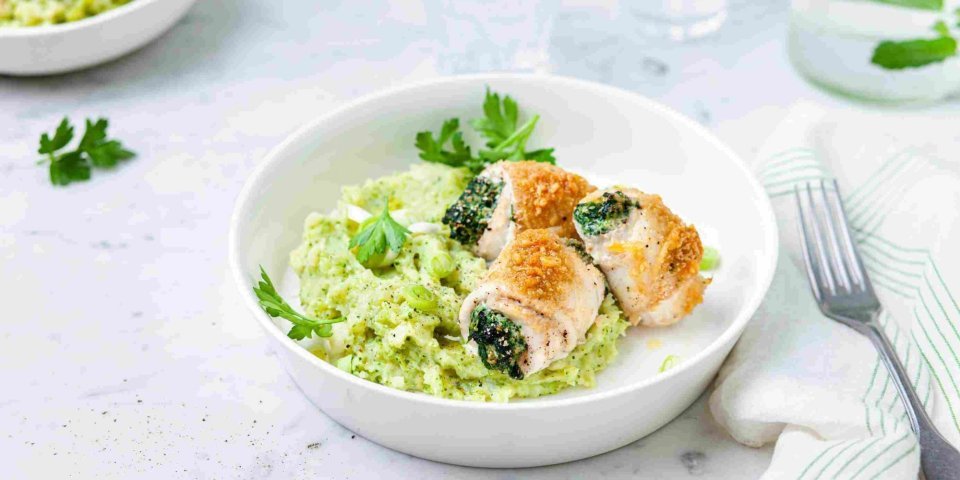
(844,293)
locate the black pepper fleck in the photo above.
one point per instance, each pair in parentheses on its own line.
(693,462)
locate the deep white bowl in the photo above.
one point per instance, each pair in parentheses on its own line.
(49,49)
(612,135)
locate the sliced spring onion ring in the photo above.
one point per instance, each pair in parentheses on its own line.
(357,214)
(360,215)
(669,362)
(425,227)
(711,258)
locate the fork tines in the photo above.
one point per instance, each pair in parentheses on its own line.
(833,265)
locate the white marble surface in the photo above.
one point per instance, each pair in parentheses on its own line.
(123,349)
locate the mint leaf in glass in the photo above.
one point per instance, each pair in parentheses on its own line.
(897,55)
(941,28)
(936,5)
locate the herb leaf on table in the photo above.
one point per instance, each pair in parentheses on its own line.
(94,149)
(61,138)
(69,167)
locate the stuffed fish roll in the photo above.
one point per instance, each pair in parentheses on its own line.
(649,256)
(507,198)
(535,304)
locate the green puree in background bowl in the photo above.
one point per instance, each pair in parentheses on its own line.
(385,339)
(28,13)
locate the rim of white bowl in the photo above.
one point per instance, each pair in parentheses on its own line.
(41,30)
(245,284)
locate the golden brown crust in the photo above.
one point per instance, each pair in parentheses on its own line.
(663,262)
(544,196)
(537,264)
(694,296)
(679,254)
(678,259)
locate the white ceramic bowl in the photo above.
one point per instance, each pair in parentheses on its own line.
(614,136)
(49,49)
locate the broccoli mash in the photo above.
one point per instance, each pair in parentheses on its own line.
(28,13)
(413,342)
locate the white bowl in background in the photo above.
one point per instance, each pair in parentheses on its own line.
(612,135)
(50,49)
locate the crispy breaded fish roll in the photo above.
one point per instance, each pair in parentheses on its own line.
(535,305)
(510,197)
(650,257)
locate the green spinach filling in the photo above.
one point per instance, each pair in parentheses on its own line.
(500,342)
(468,216)
(596,218)
(577,245)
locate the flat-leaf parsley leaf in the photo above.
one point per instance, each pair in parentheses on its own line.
(433,149)
(94,149)
(61,138)
(376,237)
(499,118)
(505,140)
(303,326)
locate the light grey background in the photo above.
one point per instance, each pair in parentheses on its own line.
(124,351)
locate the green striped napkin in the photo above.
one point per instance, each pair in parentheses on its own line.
(811,385)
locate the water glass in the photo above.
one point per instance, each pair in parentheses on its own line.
(677,20)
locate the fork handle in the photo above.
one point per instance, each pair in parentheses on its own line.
(940,461)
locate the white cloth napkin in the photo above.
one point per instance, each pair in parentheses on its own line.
(812,385)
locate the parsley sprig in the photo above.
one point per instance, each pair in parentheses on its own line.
(377,237)
(433,149)
(94,149)
(275,306)
(506,138)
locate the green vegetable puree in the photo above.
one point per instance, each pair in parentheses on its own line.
(28,13)
(391,340)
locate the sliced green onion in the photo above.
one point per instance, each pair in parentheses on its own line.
(711,258)
(357,214)
(440,265)
(346,363)
(381,260)
(669,362)
(419,297)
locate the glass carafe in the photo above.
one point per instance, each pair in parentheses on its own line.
(896,51)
